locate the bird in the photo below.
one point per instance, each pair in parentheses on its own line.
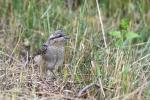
(51,55)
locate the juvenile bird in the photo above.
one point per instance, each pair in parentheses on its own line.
(51,55)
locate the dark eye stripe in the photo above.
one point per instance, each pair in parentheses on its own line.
(60,35)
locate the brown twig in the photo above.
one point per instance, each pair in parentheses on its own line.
(82,91)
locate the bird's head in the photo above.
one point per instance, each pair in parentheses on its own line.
(57,38)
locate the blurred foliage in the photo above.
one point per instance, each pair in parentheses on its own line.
(124,36)
(26,24)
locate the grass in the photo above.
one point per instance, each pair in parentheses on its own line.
(121,72)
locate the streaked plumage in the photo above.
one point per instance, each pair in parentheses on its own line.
(52,55)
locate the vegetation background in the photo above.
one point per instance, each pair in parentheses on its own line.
(109,47)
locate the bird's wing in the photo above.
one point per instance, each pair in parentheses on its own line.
(51,57)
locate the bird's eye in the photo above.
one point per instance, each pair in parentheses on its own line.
(60,35)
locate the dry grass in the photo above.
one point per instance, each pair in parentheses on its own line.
(93,66)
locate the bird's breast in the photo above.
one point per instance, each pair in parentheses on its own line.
(54,55)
